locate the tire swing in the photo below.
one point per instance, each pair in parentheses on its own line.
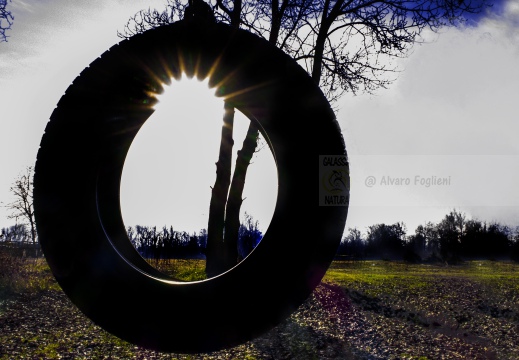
(79,168)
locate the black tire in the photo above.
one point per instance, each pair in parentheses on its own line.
(79,167)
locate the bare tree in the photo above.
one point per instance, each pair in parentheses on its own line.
(149,19)
(345,45)
(6,20)
(22,207)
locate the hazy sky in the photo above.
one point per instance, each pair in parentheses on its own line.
(450,121)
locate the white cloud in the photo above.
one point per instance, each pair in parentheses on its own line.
(456,98)
(50,43)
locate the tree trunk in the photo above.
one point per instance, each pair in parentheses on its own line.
(234,202)
(327,19)
(232,213)
(230,221)
(215,262)
(216,257)
(33,236)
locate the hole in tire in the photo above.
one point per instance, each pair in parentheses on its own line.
(168,175)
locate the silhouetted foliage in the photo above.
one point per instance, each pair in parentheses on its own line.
(16,240)
(249,237)
(386,241)
(498,238)
(353,246)
(473,240)
(168,243)
(6,20)
(455,238)
(514,246)
(478,236)
(450,231)
(163,244)
(415,248)
(17,233)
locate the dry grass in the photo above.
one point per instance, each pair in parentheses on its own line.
(364,310)
(181,269)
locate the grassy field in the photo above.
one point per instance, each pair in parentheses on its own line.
(181,269)
(380,278)
(363,310)
(475,304)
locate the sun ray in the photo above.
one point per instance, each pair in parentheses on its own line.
(166,67)
(213,69)
(244,90)
(220,86)
(197,67)
(181,63)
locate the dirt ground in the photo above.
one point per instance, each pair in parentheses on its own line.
(366,310)
(332,324)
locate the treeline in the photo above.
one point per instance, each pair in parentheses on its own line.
(455,238)
(18,233)
(149,241)
(17,240)
(167,243)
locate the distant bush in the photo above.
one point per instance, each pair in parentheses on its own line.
(515,250)
(11,270)
(453,240)
(19,273)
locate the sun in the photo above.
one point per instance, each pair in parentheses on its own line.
(170,167)
(186,89)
